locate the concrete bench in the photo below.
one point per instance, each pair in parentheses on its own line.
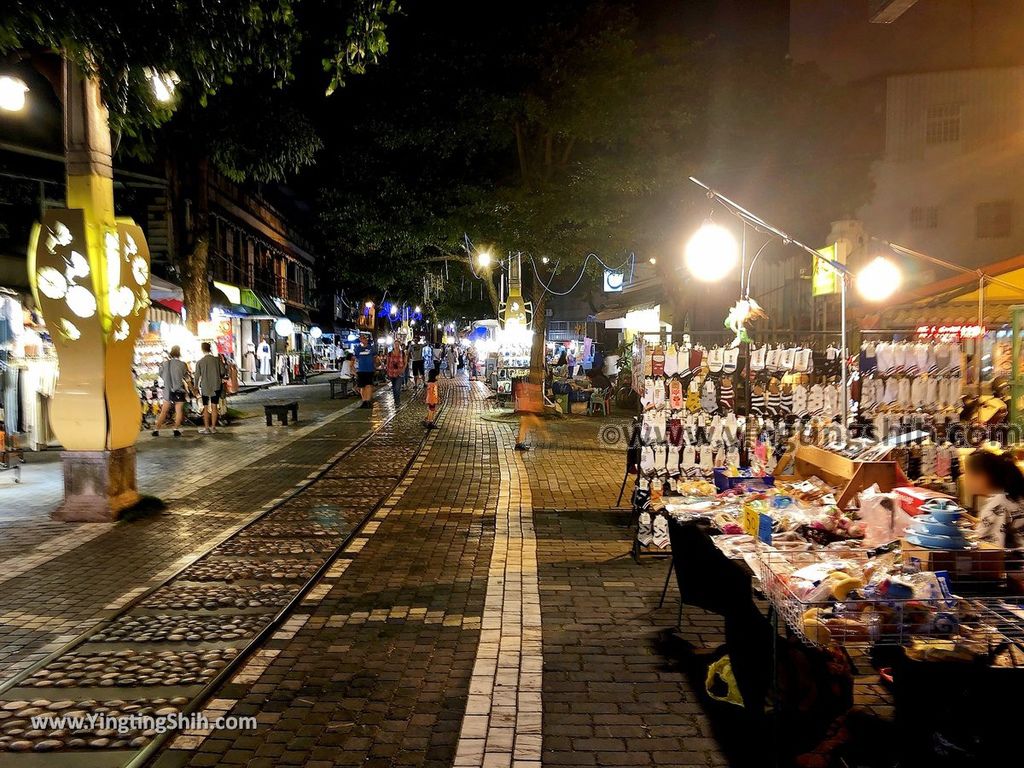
(340,387)
(281,410)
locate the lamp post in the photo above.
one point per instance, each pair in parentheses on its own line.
(760,224)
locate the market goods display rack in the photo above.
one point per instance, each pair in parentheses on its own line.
(990,625)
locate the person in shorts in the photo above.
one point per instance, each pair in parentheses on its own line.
(365,368)
(416,356)
(210,378)
(173,373)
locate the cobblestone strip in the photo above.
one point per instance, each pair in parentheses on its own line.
(70,588)
(503,723)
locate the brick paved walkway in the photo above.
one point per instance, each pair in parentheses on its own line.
(486,614)
(58,579)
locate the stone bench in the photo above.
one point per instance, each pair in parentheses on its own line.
(281,410)
(340,386)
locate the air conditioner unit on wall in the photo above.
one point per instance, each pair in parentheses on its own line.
(887,11)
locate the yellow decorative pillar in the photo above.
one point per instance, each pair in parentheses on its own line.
(90,275)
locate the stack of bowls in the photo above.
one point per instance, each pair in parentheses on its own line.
(937,528)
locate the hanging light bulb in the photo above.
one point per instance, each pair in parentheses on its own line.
(879,279)
(711,253)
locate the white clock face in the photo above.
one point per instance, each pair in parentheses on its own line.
(51,283)
(70,330)
(77,266)
(80,301)
(122,331)
(122,301)
(140,270)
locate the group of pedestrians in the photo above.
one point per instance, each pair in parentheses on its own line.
(417,362)
(209,380)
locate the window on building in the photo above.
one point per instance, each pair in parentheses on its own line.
(924,217)
(994,219)
(942,124)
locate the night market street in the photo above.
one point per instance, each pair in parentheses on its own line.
(515,629)
(417,384)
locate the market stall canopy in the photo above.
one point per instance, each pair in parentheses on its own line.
(160,289)
(14,273)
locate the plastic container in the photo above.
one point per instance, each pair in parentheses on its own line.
(723,482)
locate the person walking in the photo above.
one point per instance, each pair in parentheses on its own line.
(428,359)
(365,367)
(437,354)
(453,361)
(416,358)
(395,369)
(210,381)
(432,399)
(173,372)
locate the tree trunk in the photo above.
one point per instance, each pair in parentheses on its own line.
(492,293)
(194,256)
(540,325)
(196,286)
(521,153)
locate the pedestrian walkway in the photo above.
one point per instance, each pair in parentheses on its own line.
(59,578)
(482,610)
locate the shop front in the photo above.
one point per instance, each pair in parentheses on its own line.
(28,374)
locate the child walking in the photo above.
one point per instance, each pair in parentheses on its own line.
(432,399)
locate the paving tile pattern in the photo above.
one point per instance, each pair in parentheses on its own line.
(375,669)
(58,578)
(609,699)
(215,614)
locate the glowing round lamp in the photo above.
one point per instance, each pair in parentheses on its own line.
(879,280)
(315,332)
(712,253)
(12,93)
(284,326)
(484,259)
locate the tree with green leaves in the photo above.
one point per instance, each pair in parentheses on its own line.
(235,64)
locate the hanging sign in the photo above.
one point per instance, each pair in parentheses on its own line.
(613,280)
(825,279)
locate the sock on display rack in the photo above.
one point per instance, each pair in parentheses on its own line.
(644,533)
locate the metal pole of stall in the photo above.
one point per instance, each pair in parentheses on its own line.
(979,343)
(844,366)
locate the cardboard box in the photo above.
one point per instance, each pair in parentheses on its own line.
(987,562)
(911,498)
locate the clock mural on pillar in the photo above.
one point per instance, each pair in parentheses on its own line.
(93,293)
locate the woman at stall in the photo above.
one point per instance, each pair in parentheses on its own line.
(1001,518)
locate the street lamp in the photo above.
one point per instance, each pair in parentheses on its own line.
(12,93)
(163,84)
(879,280)
(711,253)
(483,259)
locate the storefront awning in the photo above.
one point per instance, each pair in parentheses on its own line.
(268,304)
(643,294)
(298,316)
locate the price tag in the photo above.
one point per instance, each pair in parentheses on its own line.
(750,520)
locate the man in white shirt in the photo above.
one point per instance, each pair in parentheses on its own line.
(210,378)
(173,372)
